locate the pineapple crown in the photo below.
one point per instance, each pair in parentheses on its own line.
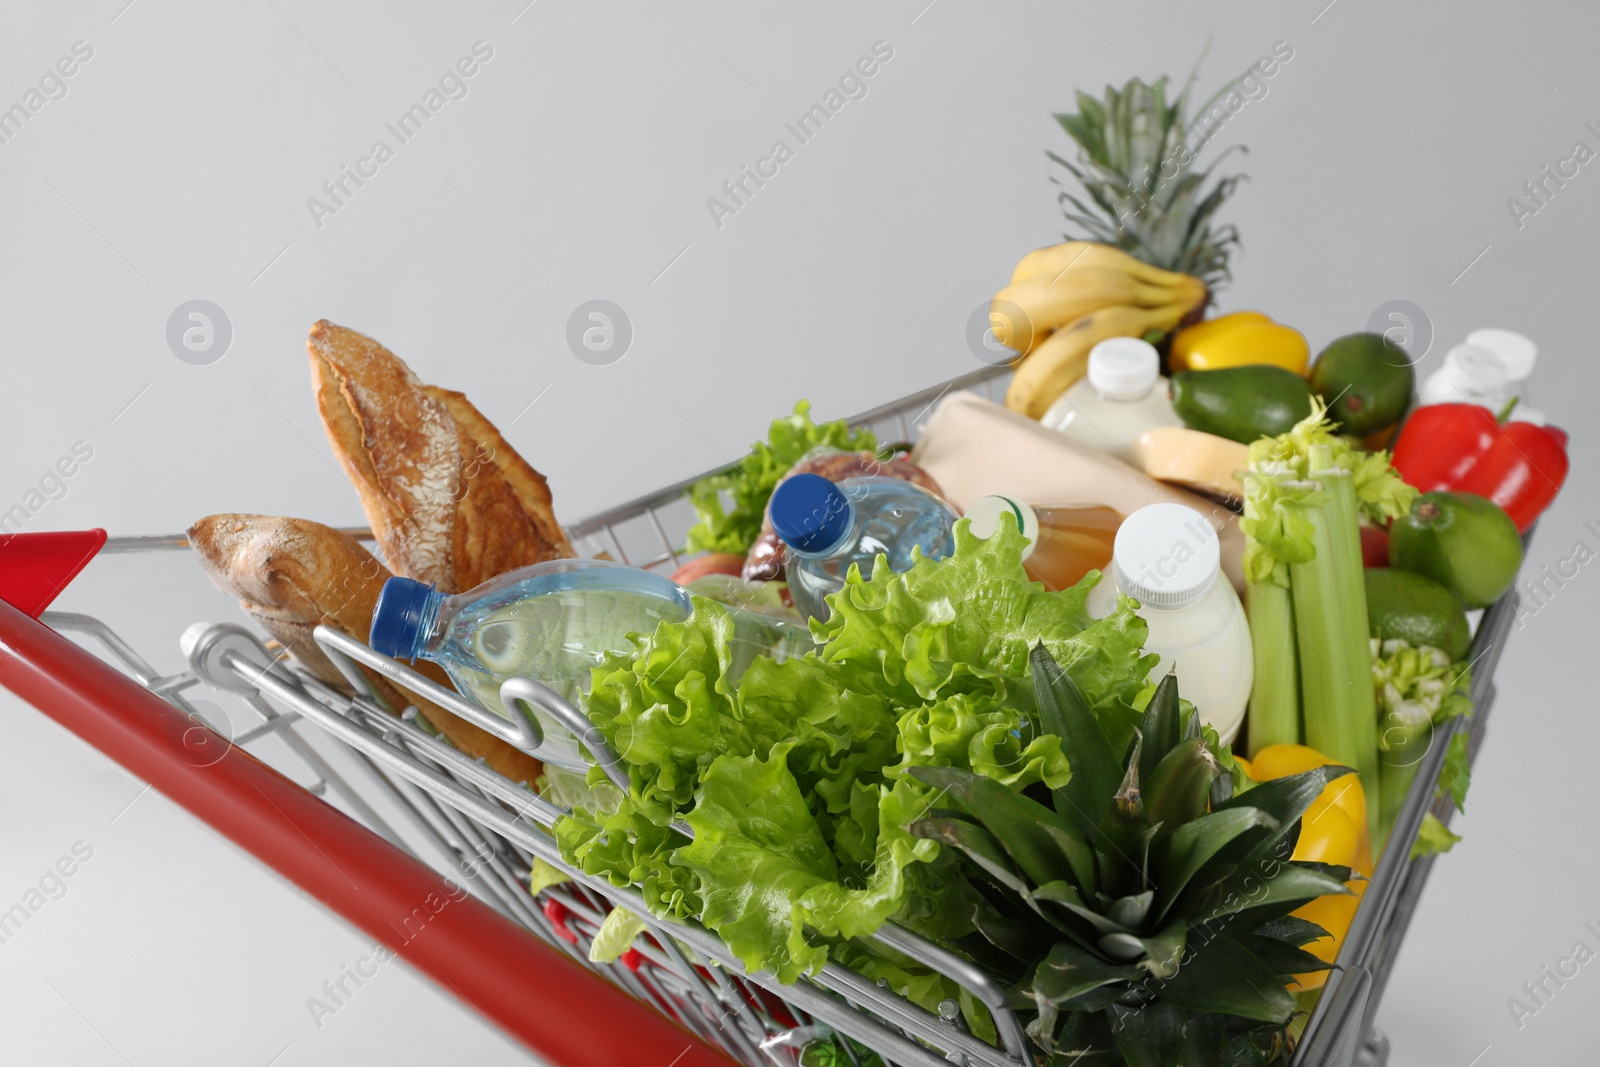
(1142,909)
(1135,164)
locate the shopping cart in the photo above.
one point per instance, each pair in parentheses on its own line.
(438,838)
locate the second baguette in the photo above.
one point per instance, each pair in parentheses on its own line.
(292,575)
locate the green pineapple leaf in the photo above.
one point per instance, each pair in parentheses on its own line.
(1246,888)
(979,845)
(1195,843)
(1294,930)
(1283,959)
(1136,163)
(1096,772)
(1150,1035)
(1160,728)
(1070,970)
(1225,977)
(1044,846)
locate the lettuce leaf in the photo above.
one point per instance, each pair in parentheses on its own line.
(749,483)
(1456,777)
(1435,838)
(968,623)
(544,875)
(615,936)
(794,781)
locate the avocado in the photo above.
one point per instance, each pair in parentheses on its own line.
(1366,380)
(1417,610)
(1241,403)
(1462,541)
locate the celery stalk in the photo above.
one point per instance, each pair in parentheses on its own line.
(1330,618)
(1275,692)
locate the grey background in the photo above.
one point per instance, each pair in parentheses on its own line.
(577,167)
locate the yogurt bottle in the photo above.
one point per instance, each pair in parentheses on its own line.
(1121,397)
(1168,558)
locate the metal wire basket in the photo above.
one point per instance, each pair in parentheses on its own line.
(487,833)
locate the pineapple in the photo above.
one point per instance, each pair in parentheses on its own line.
(1141,911)
(1135,163)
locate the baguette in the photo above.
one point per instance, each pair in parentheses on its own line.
(291,575)
(449,500)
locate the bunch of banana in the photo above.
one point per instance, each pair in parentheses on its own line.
(1065,299)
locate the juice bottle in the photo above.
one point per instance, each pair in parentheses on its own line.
(1065,541)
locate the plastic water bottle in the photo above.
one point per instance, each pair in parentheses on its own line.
(1470,374)
(1518,354)
(552,622)
(826,527)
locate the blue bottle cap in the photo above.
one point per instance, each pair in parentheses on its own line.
(397,620)
(809,513)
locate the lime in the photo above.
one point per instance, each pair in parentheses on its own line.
(1417,610)
(1460,540)
(1367,381)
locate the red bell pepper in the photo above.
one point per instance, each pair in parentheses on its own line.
(1467,448)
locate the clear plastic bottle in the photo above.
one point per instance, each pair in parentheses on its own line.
(1121,397)
(1065,541)
(1469,375)
(826,527)
(552,622)
(1518,354)
(1168,558)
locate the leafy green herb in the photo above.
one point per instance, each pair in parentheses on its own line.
(749,483)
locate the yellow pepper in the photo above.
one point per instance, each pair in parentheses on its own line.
(1332,830)
(1239,339)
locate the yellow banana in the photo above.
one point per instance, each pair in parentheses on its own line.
(1051,262)
(1060,360)
(1021,314)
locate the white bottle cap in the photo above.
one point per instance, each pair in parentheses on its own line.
(1516,351)
(1166,556)
(985,515)
(1473,367)
(1123,368)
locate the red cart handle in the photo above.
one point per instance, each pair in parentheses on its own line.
(564,1013)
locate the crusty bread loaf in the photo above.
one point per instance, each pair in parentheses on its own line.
(449,500)
(291,575)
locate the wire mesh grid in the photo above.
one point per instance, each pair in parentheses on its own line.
(489,834)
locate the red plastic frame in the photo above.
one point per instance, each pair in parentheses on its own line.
(559,1010)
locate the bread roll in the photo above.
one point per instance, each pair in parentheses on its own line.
(291,575)
(449,500)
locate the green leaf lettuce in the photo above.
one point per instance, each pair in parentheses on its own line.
(794,781)
(749,483)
